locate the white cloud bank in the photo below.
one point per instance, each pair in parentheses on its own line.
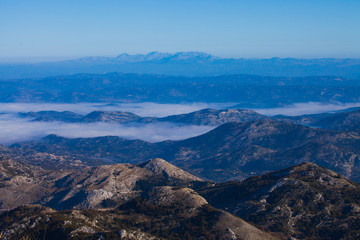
(146,109)
(305,108)
(14,130)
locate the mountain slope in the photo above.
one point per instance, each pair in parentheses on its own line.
(231,151)
(305,202)
(146,201)
(214,117)
(136,220)
(22,183)
(348,121)
(91,187)
(236,150)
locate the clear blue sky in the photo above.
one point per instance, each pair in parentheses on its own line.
(226,28)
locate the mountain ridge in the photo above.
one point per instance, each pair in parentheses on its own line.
(230,151)
(299,202)
(190,63)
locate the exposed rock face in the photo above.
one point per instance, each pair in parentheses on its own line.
(304,202)
(38,222)
(163,209)
(91,187)
(170,196)
(137,219)
(159,166)
(22,183)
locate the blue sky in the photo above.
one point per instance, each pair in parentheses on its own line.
(243,28)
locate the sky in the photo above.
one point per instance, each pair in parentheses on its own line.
(40,29)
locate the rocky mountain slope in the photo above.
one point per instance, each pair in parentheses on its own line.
(90,187)
(151,200)
(47,160)
(139,219)
(231,151)
(304,202)
(22,183)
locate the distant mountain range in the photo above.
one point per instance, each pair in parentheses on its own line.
(212,117)
(247,90)
(186,64)
(346,119)
(230,151)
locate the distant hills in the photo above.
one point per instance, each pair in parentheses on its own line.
(234,150)
(246,90)
(186,64)
(212,117)
(346,119)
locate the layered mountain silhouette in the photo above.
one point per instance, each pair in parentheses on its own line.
(249,90)
(346,119)
(212,117)
(230,151)
(185,63)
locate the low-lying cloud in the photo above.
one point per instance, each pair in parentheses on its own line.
(305,108)
(145,109)
(15,130)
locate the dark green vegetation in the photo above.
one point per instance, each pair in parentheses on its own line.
(305,202)
(249,90)
(231,151)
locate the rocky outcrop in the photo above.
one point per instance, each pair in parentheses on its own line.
(91,187)
(304,202)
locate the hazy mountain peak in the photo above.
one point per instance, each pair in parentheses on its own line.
(160,56)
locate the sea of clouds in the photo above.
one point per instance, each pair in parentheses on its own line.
(15,129)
